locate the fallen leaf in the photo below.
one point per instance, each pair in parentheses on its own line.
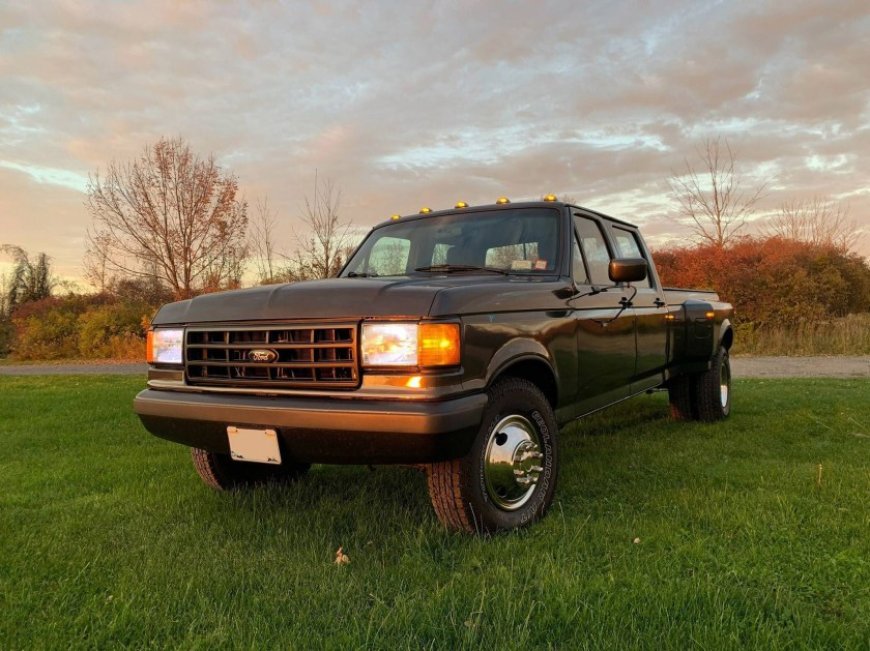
(340,557)
(636,541)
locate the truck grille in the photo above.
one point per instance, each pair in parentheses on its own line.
(294,356)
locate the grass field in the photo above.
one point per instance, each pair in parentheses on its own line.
(848,335)
(107,538)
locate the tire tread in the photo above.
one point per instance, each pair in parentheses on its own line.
(446,479)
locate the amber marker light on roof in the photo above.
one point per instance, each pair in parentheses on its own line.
(461,204)
(502,200)
(425,211)
(395,217)
(550,197)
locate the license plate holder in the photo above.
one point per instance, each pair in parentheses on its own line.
(254,445)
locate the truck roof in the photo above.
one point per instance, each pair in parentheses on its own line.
(500,206)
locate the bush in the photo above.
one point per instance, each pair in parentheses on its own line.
(774,282)
(50,335)
(115,331)
(96,326)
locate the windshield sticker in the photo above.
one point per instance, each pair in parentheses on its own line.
(540,265)
(521,265)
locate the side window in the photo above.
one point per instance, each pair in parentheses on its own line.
(594,249)
(627,246)
(389,257)
(578,269)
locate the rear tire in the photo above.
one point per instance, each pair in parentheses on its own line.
(220,472)
(508,478)
(680,397)
(713,389)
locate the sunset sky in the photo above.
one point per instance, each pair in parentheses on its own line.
(406,104)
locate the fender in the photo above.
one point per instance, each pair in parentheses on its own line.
(726,334)
(516,350)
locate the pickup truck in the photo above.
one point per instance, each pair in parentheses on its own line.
(459,341)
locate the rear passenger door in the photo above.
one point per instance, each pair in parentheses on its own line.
(605,331)
(649,309)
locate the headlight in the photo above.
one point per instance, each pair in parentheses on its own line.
(389,344)
(164,346)
(410,344)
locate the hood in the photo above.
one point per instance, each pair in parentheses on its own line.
(357,298)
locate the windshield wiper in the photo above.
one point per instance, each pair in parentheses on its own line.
(449,268)
(362,274)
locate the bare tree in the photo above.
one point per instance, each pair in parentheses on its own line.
(322,252)
(815,221)
(712,196)
(262,242)
(172,214)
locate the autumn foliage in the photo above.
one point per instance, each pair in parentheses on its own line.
(773,281)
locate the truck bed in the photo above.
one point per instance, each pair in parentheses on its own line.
(676,295)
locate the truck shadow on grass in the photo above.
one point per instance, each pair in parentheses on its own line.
(340,501)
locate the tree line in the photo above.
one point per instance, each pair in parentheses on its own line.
(170,225)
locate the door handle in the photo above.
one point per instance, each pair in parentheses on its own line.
(659,302)
(625,302)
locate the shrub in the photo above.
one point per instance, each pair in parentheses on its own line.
(774,282)
(114,331)
(94,326)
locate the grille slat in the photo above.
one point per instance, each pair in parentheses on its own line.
(294,356)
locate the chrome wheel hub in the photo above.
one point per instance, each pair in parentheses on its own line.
(513,462)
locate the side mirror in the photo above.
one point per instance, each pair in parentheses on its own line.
(627,270)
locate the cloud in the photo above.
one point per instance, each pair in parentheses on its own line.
(404,104)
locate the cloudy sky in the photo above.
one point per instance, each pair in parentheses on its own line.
(406,104)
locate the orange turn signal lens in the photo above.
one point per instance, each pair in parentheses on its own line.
(710,315)
(438,344)
(149,347)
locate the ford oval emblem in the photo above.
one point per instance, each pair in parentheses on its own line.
(262,355)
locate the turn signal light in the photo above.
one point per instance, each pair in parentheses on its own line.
(710,314)
(149,347)
(438,344)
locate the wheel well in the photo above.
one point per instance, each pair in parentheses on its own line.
(538,372)
(728,339)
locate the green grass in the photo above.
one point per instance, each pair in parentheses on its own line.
(107,538)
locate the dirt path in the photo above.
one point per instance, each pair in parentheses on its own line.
(76,368)
(858,366)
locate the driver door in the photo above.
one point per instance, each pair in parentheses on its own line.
(606,348)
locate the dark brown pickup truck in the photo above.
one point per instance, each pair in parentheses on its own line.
(460,340)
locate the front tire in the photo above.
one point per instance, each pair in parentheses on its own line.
(508,478)
(220,472)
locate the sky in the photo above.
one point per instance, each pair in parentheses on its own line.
(411,104)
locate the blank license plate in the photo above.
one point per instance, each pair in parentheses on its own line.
(254,445)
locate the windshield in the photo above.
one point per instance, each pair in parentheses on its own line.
(520,241)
